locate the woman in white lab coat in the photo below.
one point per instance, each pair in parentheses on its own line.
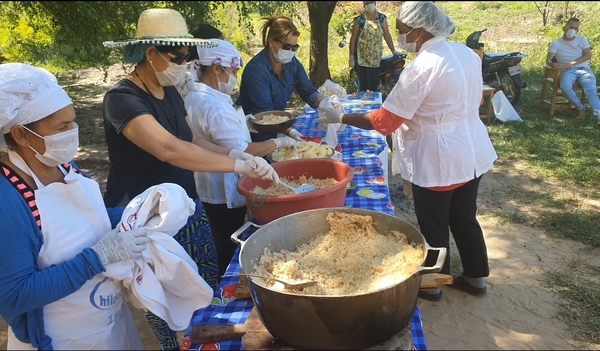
(440,145)
(214,119)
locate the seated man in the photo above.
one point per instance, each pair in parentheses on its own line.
(572,53)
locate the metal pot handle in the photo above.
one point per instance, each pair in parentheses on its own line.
(438,264)
(235,236)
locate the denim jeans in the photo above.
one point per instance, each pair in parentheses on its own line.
(585,77)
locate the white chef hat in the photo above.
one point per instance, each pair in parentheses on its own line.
(28,94)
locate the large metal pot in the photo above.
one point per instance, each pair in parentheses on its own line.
(332,321)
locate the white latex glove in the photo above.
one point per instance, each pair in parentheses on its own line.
(120,246)
(294,134)
(250,116)
(351,62)
(235,153)
(329,113)
(257,167)
(285,141)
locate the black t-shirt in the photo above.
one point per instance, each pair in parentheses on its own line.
(133,170)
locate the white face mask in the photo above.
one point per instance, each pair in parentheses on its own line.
(570,33)
(370,8)
(229,87)
(284,56)
(408,47)
(172,75)
(60,147)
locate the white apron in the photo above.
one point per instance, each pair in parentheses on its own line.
(74,217)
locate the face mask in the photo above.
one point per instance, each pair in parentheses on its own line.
(172,75)
(408,47)
(229,87)
(370,8)
(60,147)
(284,56)
(570,33)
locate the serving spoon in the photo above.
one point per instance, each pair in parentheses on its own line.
(297,284)
(302,189)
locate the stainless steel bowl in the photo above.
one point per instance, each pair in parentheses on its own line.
(272,128)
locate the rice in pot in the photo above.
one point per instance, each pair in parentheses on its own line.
(278,189)
(352,258)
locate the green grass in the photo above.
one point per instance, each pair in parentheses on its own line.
(579,307)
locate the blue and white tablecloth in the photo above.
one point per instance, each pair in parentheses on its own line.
(360,149)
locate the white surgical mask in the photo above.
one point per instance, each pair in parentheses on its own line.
(172,75)
(60,147)
(570,33)
(408,47)
(229,87)
(284,56)
(370,8)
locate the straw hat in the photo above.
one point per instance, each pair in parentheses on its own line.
(161,27)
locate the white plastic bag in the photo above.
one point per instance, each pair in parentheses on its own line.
(503,109)
(330,88)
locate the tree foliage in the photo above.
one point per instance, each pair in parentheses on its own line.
(69,35)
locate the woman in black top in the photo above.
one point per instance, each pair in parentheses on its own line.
(149,140)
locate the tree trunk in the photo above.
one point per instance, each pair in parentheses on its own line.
(319,13)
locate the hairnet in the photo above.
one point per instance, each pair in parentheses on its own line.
(426,15)
(28,94)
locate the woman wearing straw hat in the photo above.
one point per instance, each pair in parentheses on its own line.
(149,140)
(56,237)
(213,118)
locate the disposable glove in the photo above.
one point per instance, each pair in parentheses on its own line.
(329,113)
(294,134)
(257,167)
(285,141)
(250,118)
(235,153)
(120,246)
(351,62)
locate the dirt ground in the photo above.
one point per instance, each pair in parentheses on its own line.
(519,312)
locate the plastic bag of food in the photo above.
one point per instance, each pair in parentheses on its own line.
(330,88)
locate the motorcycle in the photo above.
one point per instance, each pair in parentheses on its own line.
(501,71)
(390,68)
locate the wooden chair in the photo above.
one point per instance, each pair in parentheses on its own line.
(487,109)
(552,82)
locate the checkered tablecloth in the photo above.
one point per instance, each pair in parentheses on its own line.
(360,150)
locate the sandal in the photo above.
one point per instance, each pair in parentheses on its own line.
(461,284)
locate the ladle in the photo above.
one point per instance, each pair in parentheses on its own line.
(302,189)
(298,284)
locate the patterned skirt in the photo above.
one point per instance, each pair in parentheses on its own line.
(197,240)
